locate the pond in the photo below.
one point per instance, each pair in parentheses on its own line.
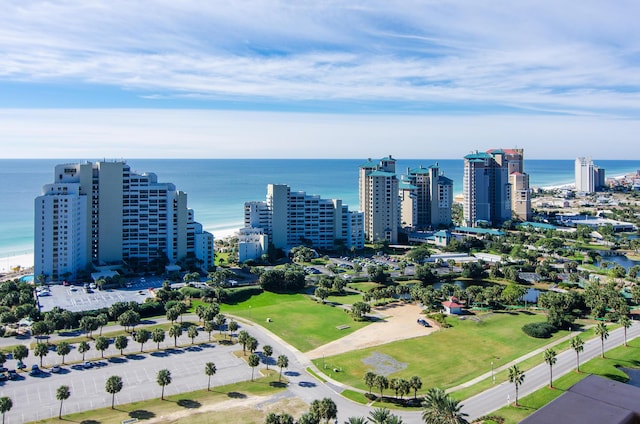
(530,297)
(618,260)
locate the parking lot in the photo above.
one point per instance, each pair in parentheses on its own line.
(76,298)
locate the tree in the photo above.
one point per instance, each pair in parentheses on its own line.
(173,314)
(283,418)
(359,309)
(381,382)
(220,320)
(157,335)
(282,362)
(41,350)
(209,326)
(369,379)
(129,319)
(63,349)
(83,348)
(102,344)
(267,351)
(88,324)
(550,357)
(232,327)
(192,332)
(379,415)
(577,344)
(324,409)
(356,420)
(5,406)
(101,321)
(416,384)
(142,336)
(163,379)
(113,386)
(243,338)
(601,331)
(62,394)
(439,408)
(175,331)
(252,344)
(625,323)
(516,376)
(20,352)
(209,370)
(39,329)
(121,343)
(253,361)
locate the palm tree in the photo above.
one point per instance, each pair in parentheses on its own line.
(209,326)
(175,331)
(142,336)
(220,321)
(5,406)
(192,332)
(267,351)
(577,344)
(121,343)
(243,337)
(157,335)
(63,349)
(625,322)
(252,344)
(62,394)
(416,384)
(602,331)
(440,408)
(209,370)
(282,362)
(381,382)
(379,415)
(253,361)
(102,343)
(41,350)
(83,348)
(550,357)
(356,420)
(113,386)
(516,376)
(369,379)
(163,379)
(232,327)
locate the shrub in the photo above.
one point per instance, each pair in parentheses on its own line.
(539,330)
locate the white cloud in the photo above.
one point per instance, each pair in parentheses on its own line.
(580,57)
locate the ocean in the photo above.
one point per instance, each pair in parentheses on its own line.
(218,188)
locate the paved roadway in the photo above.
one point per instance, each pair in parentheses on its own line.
(34,397)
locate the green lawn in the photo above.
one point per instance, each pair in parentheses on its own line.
(364,287)
(346,299)
(448,357)
(608,367)
(299,320)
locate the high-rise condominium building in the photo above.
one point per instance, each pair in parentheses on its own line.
(380,200)
(513,159)
(589,177)
(293,218)
(426,197)
(486,188)
(96,214)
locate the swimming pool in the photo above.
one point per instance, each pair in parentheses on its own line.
(26,279)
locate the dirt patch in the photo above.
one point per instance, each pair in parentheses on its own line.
(383,364)
(398,322)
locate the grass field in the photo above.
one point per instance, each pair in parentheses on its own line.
(621,356)
(448,357)
(299,320)
(195,407)
(346,299)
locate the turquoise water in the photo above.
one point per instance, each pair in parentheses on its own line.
(26,279)
(218,188)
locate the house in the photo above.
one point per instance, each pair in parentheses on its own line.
(452,307)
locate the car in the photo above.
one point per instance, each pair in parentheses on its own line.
(140,291)
(35,370)
(56,369)
(73,289)
(93,286)
(3,377)
(44,293)
(20,365)
(87,365)
(12,374)
(3,369)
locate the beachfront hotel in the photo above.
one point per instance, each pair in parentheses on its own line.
(104,214)
(589,177)
(379,199)
(495,188)
(288,219)
(426,197)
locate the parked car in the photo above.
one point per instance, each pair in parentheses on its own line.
(35,370)
(56,369)
(3,377)
(3,369)
(12,374)
(87,365)
(20,365)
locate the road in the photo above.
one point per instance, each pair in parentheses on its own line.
(538,377)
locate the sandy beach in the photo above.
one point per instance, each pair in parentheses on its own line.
(8,264)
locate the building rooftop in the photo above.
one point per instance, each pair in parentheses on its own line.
(478,156)
(381,174)
(472,230)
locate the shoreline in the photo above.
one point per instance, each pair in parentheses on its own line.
(25,260)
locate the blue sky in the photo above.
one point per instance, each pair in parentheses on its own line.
(266,78)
